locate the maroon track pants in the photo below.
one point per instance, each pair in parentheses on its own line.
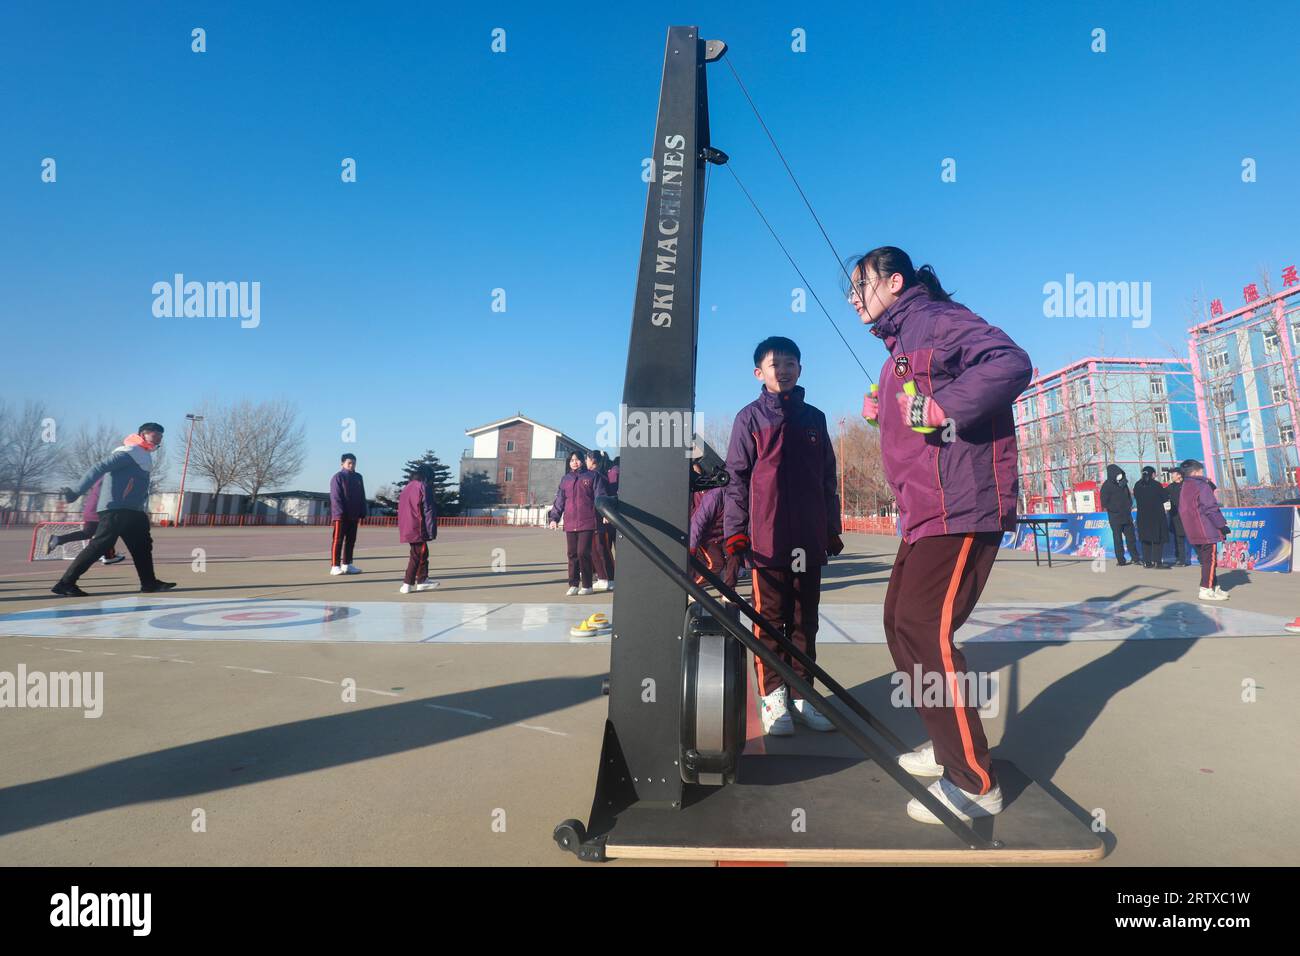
(602,555)
(788,601)
(1205,553)
(580,560)
(417,565)
(345,538)
(933,588)
(713,557)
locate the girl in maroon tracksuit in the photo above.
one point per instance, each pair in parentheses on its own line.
(575,502)
(948,447)
(602,552)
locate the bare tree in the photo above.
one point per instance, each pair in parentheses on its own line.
(29,453)
(717,432)
(857,450)
(218,451)
(274,446)
(87,448)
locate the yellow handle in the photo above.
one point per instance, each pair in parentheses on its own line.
(909,388)
(875,423)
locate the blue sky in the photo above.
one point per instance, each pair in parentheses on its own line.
(522,171)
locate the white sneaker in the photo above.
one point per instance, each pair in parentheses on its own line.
(921,763)
(407,589)
(808,715)
(427,586)
(351,569)
(1213,594)
(337,569)
(600,585)
(775,713)
(1223,595)
(586,591)
(571,592)
(966,805)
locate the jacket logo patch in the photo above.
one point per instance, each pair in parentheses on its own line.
(901,366)
(812,436)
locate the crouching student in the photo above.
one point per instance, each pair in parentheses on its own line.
(417,525)
(781,509)
(706,536)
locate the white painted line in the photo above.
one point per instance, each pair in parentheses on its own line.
(253,670)
(65,650)
(319,680)
(386,693)
(457,710)
(146,657)
(545,730)
(177,660)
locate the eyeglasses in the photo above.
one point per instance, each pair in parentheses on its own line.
(859,288)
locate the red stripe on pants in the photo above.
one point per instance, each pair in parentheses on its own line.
(788,601)
(934,586)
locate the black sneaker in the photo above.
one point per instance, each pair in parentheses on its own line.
(68,590)
(158,586)
(1122,563)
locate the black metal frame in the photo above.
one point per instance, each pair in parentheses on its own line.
(609,508)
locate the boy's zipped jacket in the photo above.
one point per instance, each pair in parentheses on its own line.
(1198,507)
(782,491)
(974,372)
(347,496)
(125,474)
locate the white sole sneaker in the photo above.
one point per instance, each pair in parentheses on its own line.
(808,715)
(599,585)
(405,589)
(967,806)
(427,585)
(336,570)
(586,591)
(571,592)
(773,710)
(1207,594)
(921,763)
(351,569)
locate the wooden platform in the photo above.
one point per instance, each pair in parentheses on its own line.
(852,812)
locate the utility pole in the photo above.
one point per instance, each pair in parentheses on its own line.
(180,502)
(843,466)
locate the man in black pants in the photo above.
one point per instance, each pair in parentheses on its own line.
(1175,489)
(1118,502)
(123,511)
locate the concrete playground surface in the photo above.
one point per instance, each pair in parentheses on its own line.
(266,713)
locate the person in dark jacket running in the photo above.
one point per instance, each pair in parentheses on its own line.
(1175,491)
(575,502)
(347,508)
(1152,523)
(948,446)
(1117,502)
(417,525)
(90,522)
(782,509)
(123,511)
(1205,525)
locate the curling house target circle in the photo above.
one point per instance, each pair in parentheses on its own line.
(246,619)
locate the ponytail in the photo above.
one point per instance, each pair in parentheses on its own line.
(926,277)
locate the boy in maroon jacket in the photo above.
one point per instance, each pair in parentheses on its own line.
(1204,524)
(781,507)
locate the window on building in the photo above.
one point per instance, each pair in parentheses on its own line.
(1218,360)
(510,446)
(1157,385)
(1295,333)
(1286,433)
(1224,394)
(1161,416)
(1279,394)
(1233,430)
(1162,445)
(1271,341)
(1239,467)
(510,473)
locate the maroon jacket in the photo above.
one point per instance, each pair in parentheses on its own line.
(782,491)
(417,513)
(575,502)
(88,510)
(974,371)
(1203,522)
(706,517)
(347,496)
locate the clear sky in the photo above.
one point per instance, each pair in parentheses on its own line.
(522,171)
